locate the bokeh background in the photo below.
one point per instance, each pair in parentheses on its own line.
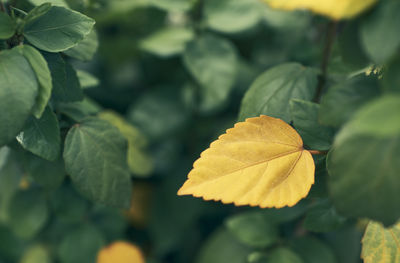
(146,70)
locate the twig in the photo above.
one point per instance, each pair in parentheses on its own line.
(316,152)
(330,38)
(2,8)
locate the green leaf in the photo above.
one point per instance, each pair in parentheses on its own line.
(222,247)
(253,229)
(139,161)
(342,100)
(373,137)
(381,244)
(323,218)
(312,250)
(232,16)
(391,77)
(95,158)
(350,47)
(271,92)
(286,20)
(86,48)
(158,113)
(58,30)
(345,243)
(39,66)
(79,110)
(18,90)
(284,255)
(67,205)
(10,177)
(11,247)
(173,5)
(42,136)
(86,79)
(28,213)
(37,12)
(66,85)
(53,2)
(213,62)
(7,26)
(36,254)
(81,245)
(379,31)
(49,175)
(305,120)
(167,42)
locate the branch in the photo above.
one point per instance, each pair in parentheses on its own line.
(2,8)
(316,152)
(330,38)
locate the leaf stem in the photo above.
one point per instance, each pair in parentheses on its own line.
(316,152)
(330,38)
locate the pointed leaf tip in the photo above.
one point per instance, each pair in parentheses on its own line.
(259,162)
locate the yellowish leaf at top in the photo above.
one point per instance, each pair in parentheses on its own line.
(120,252)
(336,9)
(259,162)
(380,244)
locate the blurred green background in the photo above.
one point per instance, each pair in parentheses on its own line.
(177,71)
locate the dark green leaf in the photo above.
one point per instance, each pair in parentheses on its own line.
(81,245)
(379,31)
(313,250)
(39,66)
(49,175)
(11,247)
(27,213)
(350,46)
(79,110)
(159,113)
(58,29)
(7,26)
(213,62)
(86,79)
(253,229)
(18,90)
(37,12)
(173,5)
(391,77)
(67,205)
(85,49)
(95,158)
(305,120)
(69,90)
(284,255)
(222,247)
(271,92)
(343,99)
(323,218)
(167,42)
(42,136)
(232,16)
(366,153)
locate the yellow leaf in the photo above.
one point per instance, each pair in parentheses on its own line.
(336,9)
(139,161)
(381,245)
(259,162)
(120,252)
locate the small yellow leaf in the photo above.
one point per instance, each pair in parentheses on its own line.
(380,244)
(120,252)
(259,162)
(336,9)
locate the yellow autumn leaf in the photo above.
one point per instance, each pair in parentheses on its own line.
(120,252)
(336,9)
(380,244)
(259,162)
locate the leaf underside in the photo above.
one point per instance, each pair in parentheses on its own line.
(259,162)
